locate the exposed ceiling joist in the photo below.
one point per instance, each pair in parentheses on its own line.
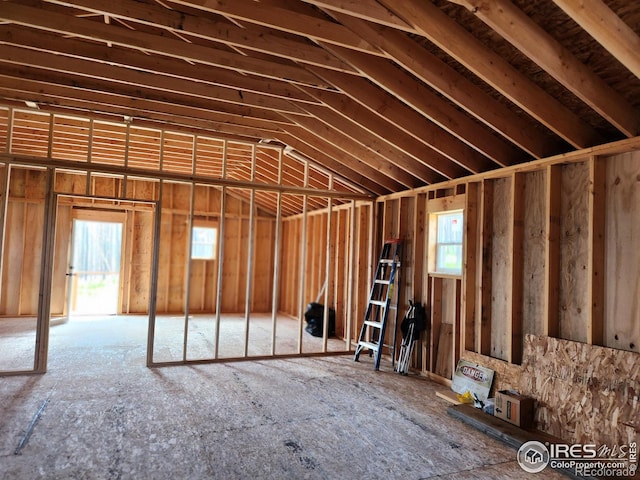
(608,29)
(388,95)
(514,26)
(490,67)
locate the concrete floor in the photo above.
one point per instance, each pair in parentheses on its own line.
(101,414)
(17,337)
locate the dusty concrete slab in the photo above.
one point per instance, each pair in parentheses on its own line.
(107,416)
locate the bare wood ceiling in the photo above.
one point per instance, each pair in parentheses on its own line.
(387,94)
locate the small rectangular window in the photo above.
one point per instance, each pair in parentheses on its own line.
(204,241)
(449,243)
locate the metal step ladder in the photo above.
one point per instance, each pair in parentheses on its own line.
(382,298)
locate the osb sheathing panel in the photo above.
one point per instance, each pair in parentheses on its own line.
(584,393)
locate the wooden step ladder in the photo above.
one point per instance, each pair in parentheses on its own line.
(381,300)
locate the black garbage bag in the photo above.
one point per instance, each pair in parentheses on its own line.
(315,320)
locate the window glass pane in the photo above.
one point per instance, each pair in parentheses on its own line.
(203,243)
(450,227)
(449,236)
(449,258)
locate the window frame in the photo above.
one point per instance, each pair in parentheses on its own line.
(455,203)
(205,224)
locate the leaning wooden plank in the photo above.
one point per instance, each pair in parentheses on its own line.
(444,368)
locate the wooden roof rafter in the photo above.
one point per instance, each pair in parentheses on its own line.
(392,95)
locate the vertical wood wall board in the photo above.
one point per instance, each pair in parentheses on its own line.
(164,256)
(574,252)
(484,325)
(141,247)
(445,346)
(517,268)
(31,261)
(436,320)
(596,245)
(419,248)
(501,268)
(13,258)
(551,299)
(534,267)
(470,266)
(178,259)
(406,233)
(340,265)
(72,183)
(622,286)
(126,271)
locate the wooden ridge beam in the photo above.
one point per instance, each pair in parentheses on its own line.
(89,30)
(445,33)
(518,29)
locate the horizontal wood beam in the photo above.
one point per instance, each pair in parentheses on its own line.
(414,165)
(379,163)
(69,95)
(177,177)
(369,10)
(332,158)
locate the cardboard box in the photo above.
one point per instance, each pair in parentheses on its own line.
(514,408)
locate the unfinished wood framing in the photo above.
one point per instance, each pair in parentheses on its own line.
(537,238)
(248,213)
(297,137)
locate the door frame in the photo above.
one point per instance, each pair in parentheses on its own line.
(98,215)
(46,274)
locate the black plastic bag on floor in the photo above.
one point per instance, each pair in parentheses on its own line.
(315,320)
